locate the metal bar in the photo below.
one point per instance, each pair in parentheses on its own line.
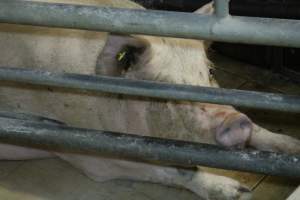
(249,30)
(270,101)
(221,8)
(68,139)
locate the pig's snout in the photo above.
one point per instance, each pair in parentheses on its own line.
(234,131)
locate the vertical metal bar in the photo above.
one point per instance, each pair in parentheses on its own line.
(221,8)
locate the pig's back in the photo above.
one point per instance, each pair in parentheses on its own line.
(58,50)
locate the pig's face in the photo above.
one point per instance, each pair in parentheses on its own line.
(178,61)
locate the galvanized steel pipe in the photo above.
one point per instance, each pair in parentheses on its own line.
(249,99)
(58,137)
(174,24)
(221,8)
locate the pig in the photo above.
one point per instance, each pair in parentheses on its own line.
(170,60)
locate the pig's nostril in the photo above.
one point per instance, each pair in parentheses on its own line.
(226,131)
(245,124)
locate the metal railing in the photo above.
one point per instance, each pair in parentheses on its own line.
(220,26)
(278,102)
(44,133)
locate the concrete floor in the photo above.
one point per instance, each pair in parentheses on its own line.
(53,179)
(234,74)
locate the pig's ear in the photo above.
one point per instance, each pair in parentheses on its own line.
(119,54)
(206,9)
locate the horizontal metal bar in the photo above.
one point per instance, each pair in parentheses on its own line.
(68,139)
(249,99)
(249,30)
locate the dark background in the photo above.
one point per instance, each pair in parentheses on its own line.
(278,59)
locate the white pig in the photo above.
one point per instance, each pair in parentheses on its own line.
(180,61)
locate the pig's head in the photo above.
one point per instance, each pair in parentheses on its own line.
(178,61)
(155,58)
